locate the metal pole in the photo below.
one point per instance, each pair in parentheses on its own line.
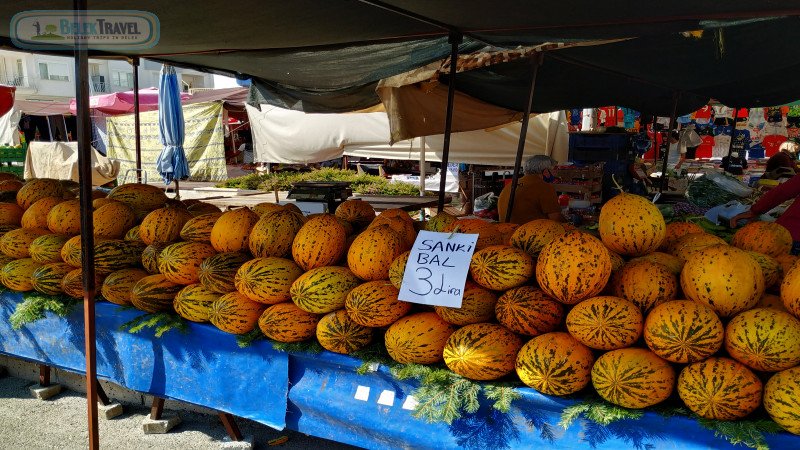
(87,238)
(454,40)
(536,61)
(672,120)
(136,119)
(422,173)
(733,132)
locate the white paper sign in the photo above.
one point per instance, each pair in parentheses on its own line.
(437,268)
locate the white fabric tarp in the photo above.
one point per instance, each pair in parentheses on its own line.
(9,134)
(59,160)
(294,137)
(432,182)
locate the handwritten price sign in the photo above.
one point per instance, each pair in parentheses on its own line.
(437,268)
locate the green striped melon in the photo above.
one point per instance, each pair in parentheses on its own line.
(140,197)
(319,242)
(133,234)
(216,273)
(265,207)
(398,268)
(113,220)
(38,188)
(71,251)
(16,243)
(231,232)
(631,225)
(633,378)
(477,305)
(36,215)
(267,280)
(501,267)
(555,364)
(764,339)
(375,304)
(235,313)
(47,278)
(12,214)
(440,221)
(198,228)
(356,211)
(163,225)
(372,252)
(482,351)
(771,301)
(194,302)
(65,218)
(605,323)
(200,208)
(690,244)
(181,261)
(645,283)
(723,277)
(770,267)
(782,399)
(677,230)
(154,293)
(274,233)
(418,338)
(285,322)
(47,248)
(6,228)
(150,257)
(573,267)
(338,333)
(111,255)
(531,237)
(719,389)
(118,285)
(16,275)
(528,311)
(72,284)
(323,290)
(486,231)
(683,331)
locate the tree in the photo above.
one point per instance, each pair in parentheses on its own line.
(50,29)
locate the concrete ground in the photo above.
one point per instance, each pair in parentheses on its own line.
(60,423)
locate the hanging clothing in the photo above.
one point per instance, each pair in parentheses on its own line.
(588,119)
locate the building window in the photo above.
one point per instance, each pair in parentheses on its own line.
(54,71)
(122,79)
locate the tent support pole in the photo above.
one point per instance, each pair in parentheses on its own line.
(672,123)
(422,174)
(454,40)
(136,119)
(536,61)
(87,235)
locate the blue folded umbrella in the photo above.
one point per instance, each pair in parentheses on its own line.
(171,162)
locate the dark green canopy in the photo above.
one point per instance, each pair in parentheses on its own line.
(327,55)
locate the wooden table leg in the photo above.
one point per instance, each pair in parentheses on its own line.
(44,375)
(229,422)
(157,409)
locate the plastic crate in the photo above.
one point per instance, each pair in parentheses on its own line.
(12,154)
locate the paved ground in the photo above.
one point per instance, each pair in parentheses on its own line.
(60,423)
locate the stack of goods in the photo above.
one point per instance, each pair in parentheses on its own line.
(645,311)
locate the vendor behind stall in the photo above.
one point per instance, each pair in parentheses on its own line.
(677,151)
(774,197)
(782,164)
(535,198)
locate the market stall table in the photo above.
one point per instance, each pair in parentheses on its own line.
(322,394)
(404,202)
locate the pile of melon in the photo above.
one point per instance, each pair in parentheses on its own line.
(646,312)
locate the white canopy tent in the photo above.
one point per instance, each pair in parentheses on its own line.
(294,137)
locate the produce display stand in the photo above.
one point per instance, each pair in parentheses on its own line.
(584,183)
(10,155)
(322,394)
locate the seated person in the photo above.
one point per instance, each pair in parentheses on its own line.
(734,164)
(782,164)
(535,198)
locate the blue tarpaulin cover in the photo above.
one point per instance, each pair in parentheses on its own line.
(326,397)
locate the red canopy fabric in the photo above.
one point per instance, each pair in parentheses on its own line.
(6,98)
(122,102)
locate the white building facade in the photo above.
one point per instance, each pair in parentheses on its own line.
(45,77)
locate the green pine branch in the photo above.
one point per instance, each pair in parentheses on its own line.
(160,323)
(247,339)
(595,409)
(310,346)
(748,432)
(502,394)
(34,306)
